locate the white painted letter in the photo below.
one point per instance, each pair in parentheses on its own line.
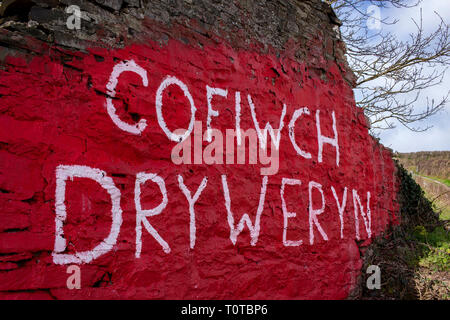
(141,215)
(313,213)
(263,136)
(192,201)
(341,208)
(368,221)
(69,172)
(286,214)
(322,139)
(254,230)
(210,92)
(111,91)
(171,135)
(291,127)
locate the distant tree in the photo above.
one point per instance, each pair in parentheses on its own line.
(390,72)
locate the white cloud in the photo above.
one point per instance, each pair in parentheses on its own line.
(438,137)
(403,140)
(405,16)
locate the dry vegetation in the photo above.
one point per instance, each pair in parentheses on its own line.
(414,257)
(431,170)
(431,164)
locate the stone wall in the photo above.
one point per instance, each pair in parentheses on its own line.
(93,172)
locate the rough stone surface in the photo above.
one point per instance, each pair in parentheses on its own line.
(53,112)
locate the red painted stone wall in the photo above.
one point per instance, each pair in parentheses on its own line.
(53,112)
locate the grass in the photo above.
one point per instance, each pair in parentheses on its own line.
(436,254)
(444,211)
(415,257)
(436,248)
(439,207)
(444,181)
(435,165)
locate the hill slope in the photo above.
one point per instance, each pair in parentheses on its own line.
(432,164)
(431,171)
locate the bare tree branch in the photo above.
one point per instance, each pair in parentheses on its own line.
(391,73)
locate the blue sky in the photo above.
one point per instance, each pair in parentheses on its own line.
(438,137)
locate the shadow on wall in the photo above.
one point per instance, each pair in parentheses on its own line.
(400,252)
